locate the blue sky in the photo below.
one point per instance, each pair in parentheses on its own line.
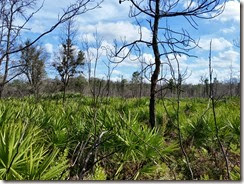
(111,22)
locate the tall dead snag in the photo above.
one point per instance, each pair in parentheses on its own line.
(175,87)
(164,39)
(110,69)
(92,57)
(93,53)
(211,96)
(11,30)
(179,81)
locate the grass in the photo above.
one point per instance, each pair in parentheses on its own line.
(49,141)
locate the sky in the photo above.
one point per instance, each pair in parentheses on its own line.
(111,21)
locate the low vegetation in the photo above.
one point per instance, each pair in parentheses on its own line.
(112,140)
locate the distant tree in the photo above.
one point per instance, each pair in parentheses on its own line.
(78,84)
(16,88)
(69,61)
(32,65)
(135,81)
(135,77)
(206,83)
(122,86)
(110,68)
(215,86)
(171,85)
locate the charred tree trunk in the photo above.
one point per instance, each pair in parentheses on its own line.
(154,78)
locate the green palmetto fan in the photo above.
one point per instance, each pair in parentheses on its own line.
(24,155)
(142,146)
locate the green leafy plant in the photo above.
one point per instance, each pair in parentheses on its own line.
(24,155)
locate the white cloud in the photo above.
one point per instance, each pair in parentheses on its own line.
(229,55)
(117,72)
(196,76)
(220,73)
(189,4)
(218,44)
(108,11)
(231,12)
(228,30)
(221,65)
(49,48)
(89,37)
(117,30)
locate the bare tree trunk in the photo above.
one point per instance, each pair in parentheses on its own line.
(211,96)
(154,78)
(152,119)
(179,83)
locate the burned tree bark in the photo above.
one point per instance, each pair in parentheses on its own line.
(154,78)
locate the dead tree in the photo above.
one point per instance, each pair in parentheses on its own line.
(165,40)
(213,101)
(93,53)
(110,69)
(179,81)
(10,31)
(174,84)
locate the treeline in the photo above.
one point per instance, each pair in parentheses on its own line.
(121,88)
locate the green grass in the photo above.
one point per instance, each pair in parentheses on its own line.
(41,140)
